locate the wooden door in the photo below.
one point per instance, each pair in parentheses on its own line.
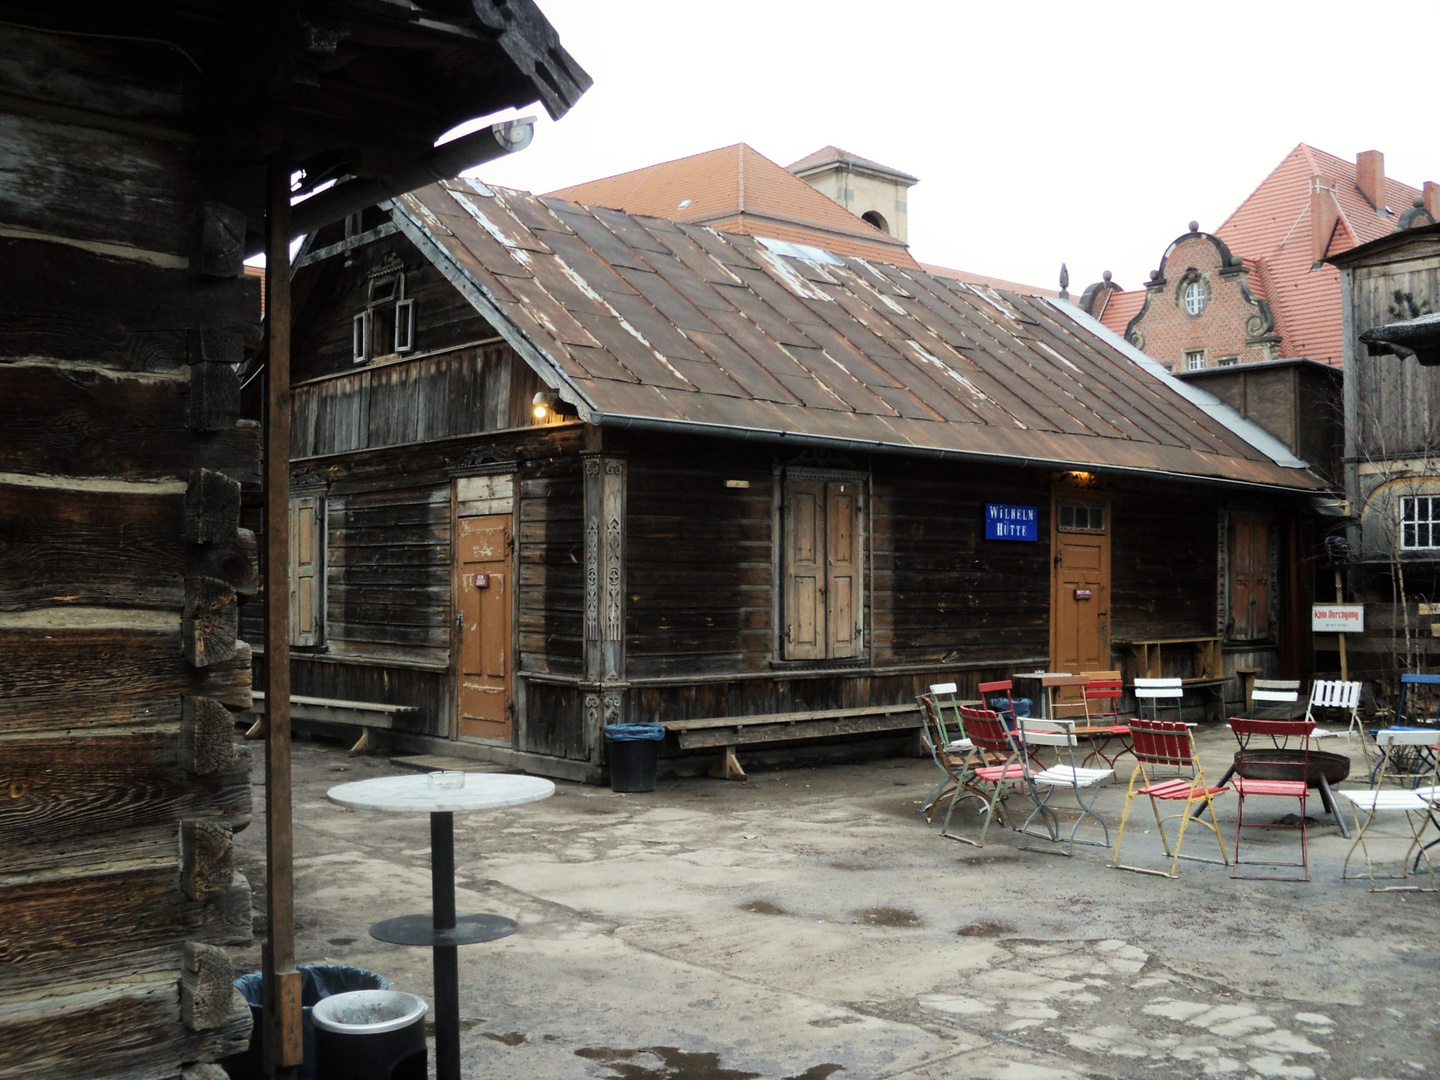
(805,621)
(1080,598)
(485,582)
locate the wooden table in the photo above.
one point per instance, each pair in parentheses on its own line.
(441,930)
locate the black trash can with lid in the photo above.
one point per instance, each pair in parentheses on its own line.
(634,751)
(317,981)
(370,1035)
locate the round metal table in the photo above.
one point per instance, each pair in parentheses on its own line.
(441,929)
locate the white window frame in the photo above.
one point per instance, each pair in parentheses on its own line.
(1194,359)
(404,326)
(1194,296)
(360,341)
(1419,517)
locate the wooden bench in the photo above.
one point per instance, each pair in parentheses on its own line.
(728,732)
(365,715)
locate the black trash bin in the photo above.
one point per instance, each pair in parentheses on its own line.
(634,750)
(317,981)
(370,1035)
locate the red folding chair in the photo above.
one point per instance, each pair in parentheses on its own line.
(1001,688)
(1103,725)
(1279,732)
(989,783)
(1168,744)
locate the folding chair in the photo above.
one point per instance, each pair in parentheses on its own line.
(1280,733)
(1158,692)
(1417,804)
(952,724)
(1166,743)
(1043,784)
(1271,697)
(1344,697)
(1003,688)
(954,759)
(1101,696)
(991,784)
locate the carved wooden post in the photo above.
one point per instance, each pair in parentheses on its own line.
(604,594)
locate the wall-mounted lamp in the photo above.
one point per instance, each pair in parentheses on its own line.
(543,405)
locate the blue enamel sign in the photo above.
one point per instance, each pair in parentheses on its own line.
(1004,522)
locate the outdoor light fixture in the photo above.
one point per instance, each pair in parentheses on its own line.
(543,404)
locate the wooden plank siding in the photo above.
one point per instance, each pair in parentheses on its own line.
(941,592)
(1163,555)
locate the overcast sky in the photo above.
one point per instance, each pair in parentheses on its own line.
(1041,132)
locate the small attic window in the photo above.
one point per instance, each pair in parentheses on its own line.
(386,288)
(874,218)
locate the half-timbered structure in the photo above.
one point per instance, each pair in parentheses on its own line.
(135,141)
(566,466)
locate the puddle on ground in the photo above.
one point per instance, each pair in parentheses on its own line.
(985,928)
(851,866)
(509,1038)
(340,941)
(763,907)
(889,916)
(677,1064)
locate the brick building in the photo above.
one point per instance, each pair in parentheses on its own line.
(1258,288)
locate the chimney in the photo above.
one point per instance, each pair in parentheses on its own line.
(1370,177)
(1324,213)
(1432,199)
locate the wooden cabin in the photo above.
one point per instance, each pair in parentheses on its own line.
(135,143)
(566,467)
(1392,458)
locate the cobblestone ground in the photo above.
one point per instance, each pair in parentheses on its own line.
(809,924)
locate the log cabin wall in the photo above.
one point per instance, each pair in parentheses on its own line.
(120,564)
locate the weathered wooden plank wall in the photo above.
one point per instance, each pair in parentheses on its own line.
(1163,562)
(120,563)
(942,592)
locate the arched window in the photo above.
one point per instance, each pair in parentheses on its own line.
(1195,297)
(875,219)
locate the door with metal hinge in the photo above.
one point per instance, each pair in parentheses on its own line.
(1080,595)
(485,557)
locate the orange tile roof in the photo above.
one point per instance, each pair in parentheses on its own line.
(1121,308)
(968,278)
(1272,227)
(736,189)
(827,155)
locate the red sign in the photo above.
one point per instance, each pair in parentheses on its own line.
(1084,594)
(482,581)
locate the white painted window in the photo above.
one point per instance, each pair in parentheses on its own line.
(1419,522)
(1194,359)
(1195,297)
(1227,361)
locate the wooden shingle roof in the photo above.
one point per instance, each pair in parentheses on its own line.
(640,321)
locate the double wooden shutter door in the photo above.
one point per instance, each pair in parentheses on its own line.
(822,587)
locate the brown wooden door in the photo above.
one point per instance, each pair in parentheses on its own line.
(1080,600)
(1249,577)
(486,577)
(823,570)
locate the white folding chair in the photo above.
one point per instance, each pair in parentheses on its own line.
(1155,692)
(1343,697)
(1043,784)
(1404,797)
(1270,697)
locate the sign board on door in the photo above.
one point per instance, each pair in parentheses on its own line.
(1337,618)
(1004,522)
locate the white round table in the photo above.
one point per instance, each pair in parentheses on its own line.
(441,930)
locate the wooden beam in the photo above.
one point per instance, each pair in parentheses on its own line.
(283,1051)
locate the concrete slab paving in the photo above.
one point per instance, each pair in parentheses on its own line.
(810,924)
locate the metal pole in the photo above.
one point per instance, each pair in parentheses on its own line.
(283,1047)
(447,959)
(447,965)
